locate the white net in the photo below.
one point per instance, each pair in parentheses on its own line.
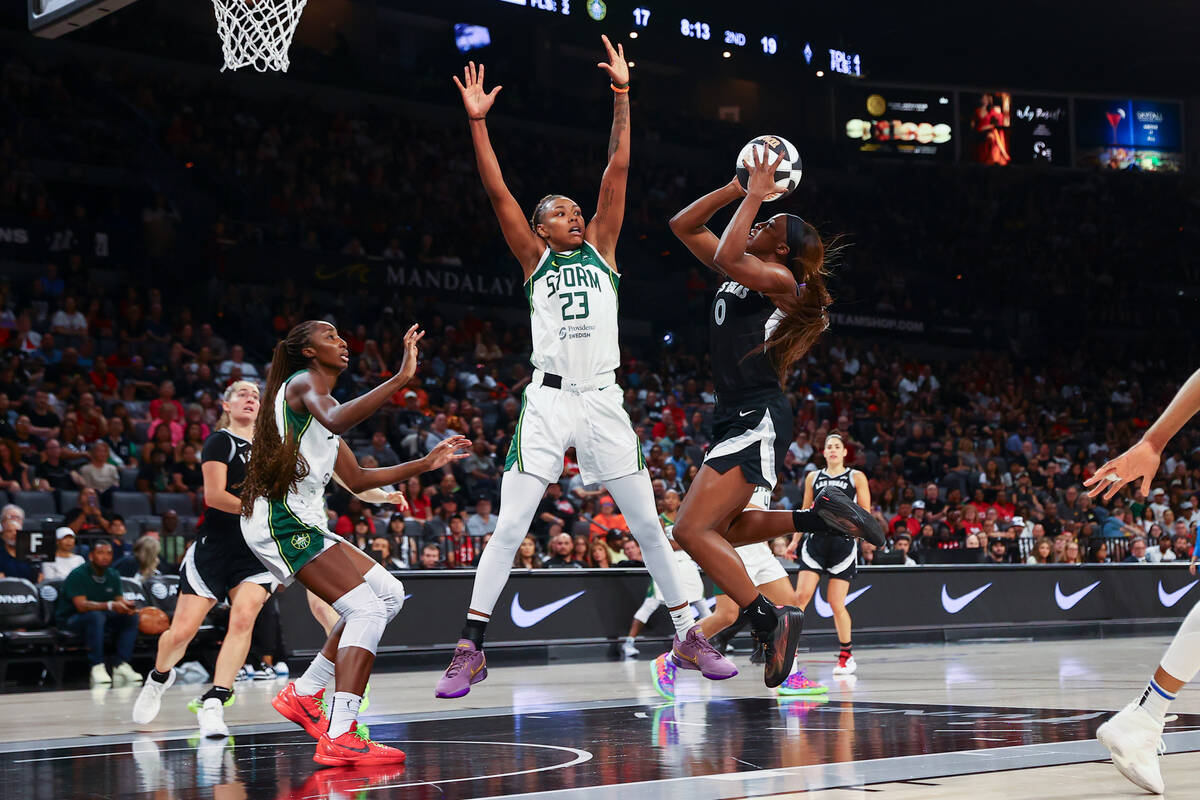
(257,33)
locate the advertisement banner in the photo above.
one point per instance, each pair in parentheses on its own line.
(1002,128)
(898,122)
(1129,134)
(597,605)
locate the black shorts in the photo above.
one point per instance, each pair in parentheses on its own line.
(216,563)
(830,553)
(753,433)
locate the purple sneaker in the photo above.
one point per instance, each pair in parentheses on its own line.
(468,666)
(695,652)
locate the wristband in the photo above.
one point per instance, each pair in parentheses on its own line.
(622,88)
(109,604)
(477,119)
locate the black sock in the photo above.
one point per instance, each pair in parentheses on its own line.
(159,677)
(808,521)
(219,692)
(847,648)
(474,630)
(761,614)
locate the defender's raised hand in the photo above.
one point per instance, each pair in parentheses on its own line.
(617,69)
(475,99)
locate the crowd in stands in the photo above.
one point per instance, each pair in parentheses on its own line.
(109,388)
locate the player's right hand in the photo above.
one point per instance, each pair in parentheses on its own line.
(408,367)
(1139,461)
(475,99)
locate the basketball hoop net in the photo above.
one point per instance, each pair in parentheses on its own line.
(257,33)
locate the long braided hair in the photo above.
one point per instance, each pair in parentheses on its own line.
(275,464)
(805,316)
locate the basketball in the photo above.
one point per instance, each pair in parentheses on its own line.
(153,621)
(787,174)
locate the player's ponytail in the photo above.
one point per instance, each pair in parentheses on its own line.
(805,316)
(276,465)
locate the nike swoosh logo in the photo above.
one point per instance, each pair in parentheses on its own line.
(957,604)
(1169,599)
(745,413)
(825,610)
(1068,601)
(527,619)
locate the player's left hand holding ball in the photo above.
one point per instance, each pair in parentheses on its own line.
(762,173)
(617,68)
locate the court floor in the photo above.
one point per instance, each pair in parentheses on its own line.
(1011,719)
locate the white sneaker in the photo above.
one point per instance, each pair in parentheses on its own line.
(847,667)
(212,719)
(246,673)
(145,708)
(100,676)
(1134,738)
(124,675)
(264,672)
(281,670)
(628,650)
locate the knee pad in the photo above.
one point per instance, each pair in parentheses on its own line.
(365,615)
(388,588)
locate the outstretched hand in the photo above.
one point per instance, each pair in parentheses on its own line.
(398,500)
(761,182)
(1139,461)
(477,102)
(616,67)
(447,450)
(408,367)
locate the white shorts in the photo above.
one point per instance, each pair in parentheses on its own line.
(593,421)
(761,564)
(689,579)
(285,537)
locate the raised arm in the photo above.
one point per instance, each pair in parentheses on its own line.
(1141,460)
(690,225)
(522,241)
(605,227)
(731,257)
(304,394)
(361,481)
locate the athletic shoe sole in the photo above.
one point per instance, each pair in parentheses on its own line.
(337,761)
(786,639)
(654,681)
(838,512)
(803,692)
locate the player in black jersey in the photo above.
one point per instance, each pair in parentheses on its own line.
(766,316)
(217,566)
(831,554)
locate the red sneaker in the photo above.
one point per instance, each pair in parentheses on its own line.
(355,748)
(344,782)
(307,711)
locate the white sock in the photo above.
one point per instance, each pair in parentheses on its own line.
(343,713)
(318,675)
(635,498)
(520,494)
(1182,659)
(1156,700)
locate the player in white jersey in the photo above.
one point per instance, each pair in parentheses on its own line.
(571,282)
(297,450)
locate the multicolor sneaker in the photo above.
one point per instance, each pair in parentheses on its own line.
(664,676)
(696,653)
(781,645)
(354,748)
(307,711)
(798,684)
(467,667)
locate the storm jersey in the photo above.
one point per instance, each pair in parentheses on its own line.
(845,482)
(573,313)
(319,448)
(741,321)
